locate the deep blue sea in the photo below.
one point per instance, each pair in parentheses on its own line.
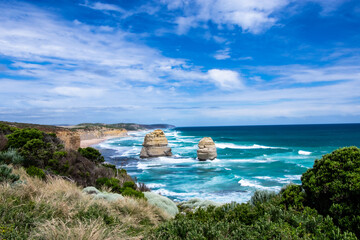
(249,158)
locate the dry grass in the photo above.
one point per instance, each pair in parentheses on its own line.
(57,229)
(64,212)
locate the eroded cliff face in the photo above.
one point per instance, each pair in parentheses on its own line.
(71,139)
(100,132)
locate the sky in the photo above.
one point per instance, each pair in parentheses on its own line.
(181,62)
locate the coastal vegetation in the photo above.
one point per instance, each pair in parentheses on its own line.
(42,197)
(127,126)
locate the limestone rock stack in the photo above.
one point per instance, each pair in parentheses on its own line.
(155,145)
(207,149)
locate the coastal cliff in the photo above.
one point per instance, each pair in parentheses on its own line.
(100,132)
(73,136)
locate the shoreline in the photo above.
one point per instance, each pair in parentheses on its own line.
(94,141)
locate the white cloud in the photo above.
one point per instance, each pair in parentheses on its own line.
(103,6)
(222,54)
(226,79)
(78,92)
(253,16)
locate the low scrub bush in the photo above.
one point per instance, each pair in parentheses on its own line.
(126,189)
(3,141)
(91,154)
(108,165)
(131,193)
(11,156)
(6,129)
(35,172)
(20,137)
(131,185)
(261,197)
(6,174)
(293,196)
(112,183)
(245,221)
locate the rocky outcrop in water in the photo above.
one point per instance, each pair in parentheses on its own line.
(207,149)
(155,145)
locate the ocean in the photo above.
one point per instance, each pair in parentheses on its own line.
(249,158)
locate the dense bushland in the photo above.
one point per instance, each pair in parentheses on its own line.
(34,149)
(332,187)
(325,206)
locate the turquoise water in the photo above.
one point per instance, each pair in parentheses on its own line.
(249,158)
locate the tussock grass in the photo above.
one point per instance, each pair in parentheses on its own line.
(58,209)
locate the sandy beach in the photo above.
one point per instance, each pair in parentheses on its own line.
(94,141)
(91,142)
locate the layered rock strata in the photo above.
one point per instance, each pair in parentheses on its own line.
(155,145)
(207,149)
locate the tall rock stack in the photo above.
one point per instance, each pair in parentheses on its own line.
(207,149)
(155,145)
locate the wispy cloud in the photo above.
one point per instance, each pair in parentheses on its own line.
(102,6)
(222,54)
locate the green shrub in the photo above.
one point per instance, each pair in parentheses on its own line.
(293,196)
(245,221)
(52,134)
(3,142)
(6,129)
(108,165)
(132,193)
(112,183)
(332,187)
(91,154)
(54,163)
(6,174)
(261,197)
(21,136)
(35,172)
(59,154)
(11,156)
(128,188)
(129,185)
(36,153)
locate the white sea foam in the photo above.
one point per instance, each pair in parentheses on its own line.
(166,192)
(155,185)
(252,160)
(228,169)
(301,152)
(163,162)
(235,146)
(293,177)
(257,185)
(285,180)
(263,177)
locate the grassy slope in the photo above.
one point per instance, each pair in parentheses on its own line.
(57,209)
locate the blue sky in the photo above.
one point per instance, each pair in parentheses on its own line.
(183,62)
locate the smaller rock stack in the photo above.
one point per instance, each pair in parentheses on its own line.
(207,149)
(155,145)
